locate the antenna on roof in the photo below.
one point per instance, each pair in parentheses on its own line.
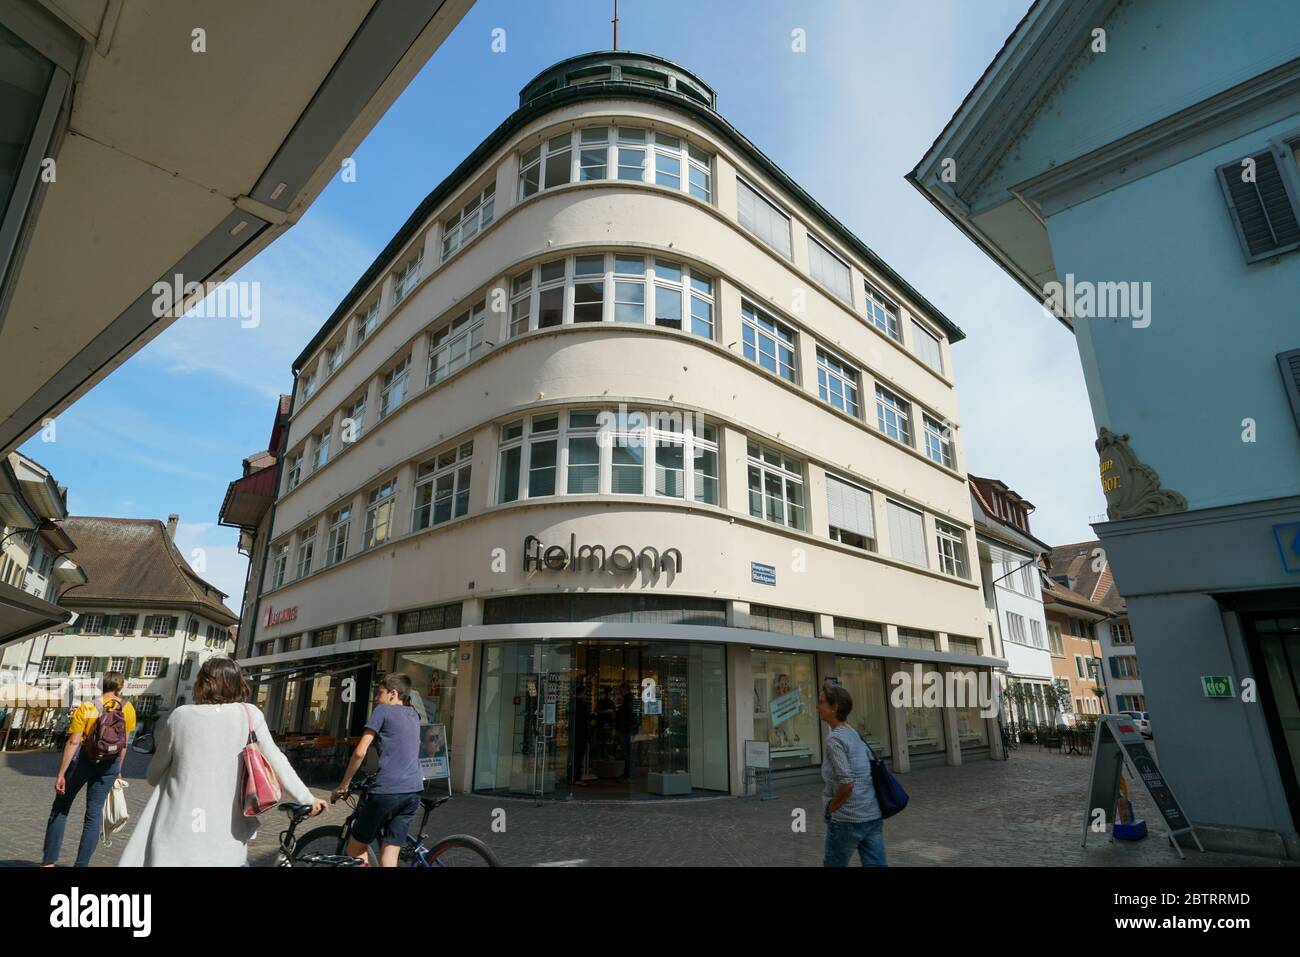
(615,24)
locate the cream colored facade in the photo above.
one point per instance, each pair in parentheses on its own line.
(603,366)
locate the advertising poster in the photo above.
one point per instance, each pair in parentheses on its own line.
(434,762)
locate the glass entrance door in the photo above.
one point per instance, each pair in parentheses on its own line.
(1277,646)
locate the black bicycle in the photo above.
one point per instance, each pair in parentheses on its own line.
(325,846)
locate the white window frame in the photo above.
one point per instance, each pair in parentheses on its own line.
(456,343)
(305,553)
(838,534)
(81,666)
(938,448)
(336,544)
(758,327)
(407,277)
(951,542)
(836,373)
(293,475)
(356,412)
(1036,633)
(454,463)
(279,564)
(394,382)
(882,312)
(94,625)
(770,463)
(822,266)
(696,288)
(620,153)
(896,545)
(151,668)
(367,322)
(47,665)
(321,450)
(644,429)
(894,416)
(1121,634)
(117,664)
(381,500)
(334,357)
(773,214)
(162,626)
(308,386)
(1016,629)
(470,220)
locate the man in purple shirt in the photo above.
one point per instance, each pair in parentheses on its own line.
(389,807)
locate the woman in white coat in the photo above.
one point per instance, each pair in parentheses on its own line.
(195,817)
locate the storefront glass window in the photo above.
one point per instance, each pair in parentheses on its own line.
(864,680)
(924,725)
(785,707)
(433,685)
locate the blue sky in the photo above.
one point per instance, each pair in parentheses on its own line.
(847,119)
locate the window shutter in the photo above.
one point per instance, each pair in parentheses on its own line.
(148,625)
(1264,211)
(110,624)
(172,629)
(1114,668)
(906,534)
(1289,363)
(99,666)
(63,666)
(850,507)
(162,666)
(133,667)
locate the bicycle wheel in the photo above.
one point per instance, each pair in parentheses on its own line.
(324,841)
(461,850)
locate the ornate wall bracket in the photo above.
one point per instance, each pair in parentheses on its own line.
(1132,489)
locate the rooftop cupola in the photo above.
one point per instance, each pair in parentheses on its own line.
(615,68)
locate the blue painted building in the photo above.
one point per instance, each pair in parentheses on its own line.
(1134,166)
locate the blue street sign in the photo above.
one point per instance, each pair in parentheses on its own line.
(761,574)
(1288,546)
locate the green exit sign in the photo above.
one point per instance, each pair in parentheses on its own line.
(1216,686)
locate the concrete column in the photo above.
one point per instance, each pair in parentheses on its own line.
(740,678)
(496,323)
(825,668)
(507,185)
(737,614)
(482,490)
(724,186)
(432,250)
(806,348)
(401,522)
(372,405)
(950,735)
(465,732)
(897,721)
(419,374)
(471,612)
(735,470)
(727,302)
(931,545)
(941,640)
(815,501)
(891,635)
(825,626)
(386,297)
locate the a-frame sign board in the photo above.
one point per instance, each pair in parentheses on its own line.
(1119,744)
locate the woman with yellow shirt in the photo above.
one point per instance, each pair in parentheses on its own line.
(95,776)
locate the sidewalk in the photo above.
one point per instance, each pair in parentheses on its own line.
(1025,811)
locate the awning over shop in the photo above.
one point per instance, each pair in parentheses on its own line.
(314,668)
(22,614)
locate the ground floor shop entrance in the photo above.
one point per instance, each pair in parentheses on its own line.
(1274,641)
(602,719)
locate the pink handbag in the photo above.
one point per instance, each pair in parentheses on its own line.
(259,789)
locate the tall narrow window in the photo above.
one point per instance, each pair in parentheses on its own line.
(279,563)
(938,440)
(906,534)
(550,294)
(631,154)
(893,416)
(293,474)
(543,455)
(700,165)
(468,221)
(588,288)
(379,514)
(521,301)
(627,472)
(336,547)
(837,383)
(762,217)
(354,420)
(559,159)
(668,294)
(306,546)
(509,461)
(583,442)
(701,305)
(322,453)
(530,172)
(594,154)
(406,278)
(392,390)
(951,541)
(367,320)
(883,313)
(767,342)
(776,487)
(629,288)
(668,161)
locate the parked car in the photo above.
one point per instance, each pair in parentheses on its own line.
(1142,719)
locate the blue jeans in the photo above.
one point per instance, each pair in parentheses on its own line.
(97,779)
(843,837)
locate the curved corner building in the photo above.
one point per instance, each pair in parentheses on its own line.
(621,404)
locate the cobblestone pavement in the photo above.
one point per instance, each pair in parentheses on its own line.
(1025,811)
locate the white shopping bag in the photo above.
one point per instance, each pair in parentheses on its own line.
(115,813)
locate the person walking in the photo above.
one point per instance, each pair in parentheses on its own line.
(853,818)
(92,759)
(388,810)
(195,815)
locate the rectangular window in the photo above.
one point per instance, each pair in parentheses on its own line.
(906,534)
(152,667)
(94,625)
(1125,666)
(1120,634)
(521,299)
(550,294)
(322,450)
(336,548)
(631,154)
(701,306)
(354,421)
(163,626)
(1036,633)
(1055,644)
(406,278)
(293,475)
(829,269)
(1016,628)
(768,342)
(776,487)
(915,638)
(883,313)
(308,387)
(851,514)
(367,320)
(392,389)
(785,621)
(699,172)
(469,221)
(893,415)
(668,161)
(837,383)
(785,714)
(379,515)
(762,217)
(279,562)
(629,288)
(333,358)
(306,546)
(589,289)
(952,549)
(543,455)
(593,155)
(442,487)
(1079,668)
(126,624)
(456,344)
(938,440)
(530,171)
(509,461)
(926,346)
